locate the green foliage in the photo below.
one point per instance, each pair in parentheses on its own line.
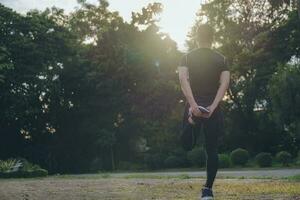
(298,159)
(182,155)
(6,165)
(224,161)
(264,159)
(89,81)
(147,15)
(125,165)
(25,174)
(284,157)
(197,157)
(284,90)
(27,166)
(154,161)
(173,162)
(294,178)
(96,165)
(28,170)
(239,156)
(39,173)
(92,89)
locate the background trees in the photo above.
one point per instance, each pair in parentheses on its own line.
(89,91)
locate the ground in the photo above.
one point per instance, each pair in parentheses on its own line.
(108,187)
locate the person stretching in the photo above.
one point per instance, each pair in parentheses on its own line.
(204,78)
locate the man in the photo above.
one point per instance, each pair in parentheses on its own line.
(204,79)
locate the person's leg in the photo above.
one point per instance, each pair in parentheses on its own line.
(188,136)
(190,131)
(212,131)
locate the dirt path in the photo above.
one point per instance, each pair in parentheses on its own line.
(88,188)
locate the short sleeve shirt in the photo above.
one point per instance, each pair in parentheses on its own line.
(205,67)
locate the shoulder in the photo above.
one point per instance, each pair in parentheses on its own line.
(219,55)
(188,54)
(193,51)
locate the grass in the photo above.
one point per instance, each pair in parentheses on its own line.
(143,186)
(140,175)
(295,178)
(143,176)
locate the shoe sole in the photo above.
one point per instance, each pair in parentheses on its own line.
(207,198)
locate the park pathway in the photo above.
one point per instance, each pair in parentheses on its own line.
(256,173)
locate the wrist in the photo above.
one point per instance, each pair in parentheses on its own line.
(194,105)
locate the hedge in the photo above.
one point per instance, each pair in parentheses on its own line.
(197,157)
(284,157)
(224,161)
(239,156)
(25,174)
(263,159)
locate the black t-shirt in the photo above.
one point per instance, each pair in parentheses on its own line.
(205,67)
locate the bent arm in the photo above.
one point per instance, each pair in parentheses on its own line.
(185,85)
(224,84)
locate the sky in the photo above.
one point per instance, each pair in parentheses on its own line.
(176,20)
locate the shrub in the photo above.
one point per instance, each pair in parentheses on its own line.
(298,159)
(96,165)
(182,155)
(39,173)
(27,166)
(197,157)
(239,156)
(264,159)
(173,161)
(28,170)
(125,165)
(224,161)
(24,174)
(284,157)
(154,161)
(6,165)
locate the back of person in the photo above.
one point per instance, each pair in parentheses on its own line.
(204,79)
(205,67)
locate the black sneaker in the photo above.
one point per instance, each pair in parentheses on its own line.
(207,194)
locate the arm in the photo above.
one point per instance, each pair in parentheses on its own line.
(224,84)
(186,89)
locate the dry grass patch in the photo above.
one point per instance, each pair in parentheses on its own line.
(145,189)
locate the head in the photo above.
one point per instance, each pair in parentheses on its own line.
(205,35)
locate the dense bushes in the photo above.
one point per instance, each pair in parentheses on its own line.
(284,157)
(173,161)
(239,156)
(6,165)
(20,168)
(154,161)
(264,159)
(224,161)
(197,157)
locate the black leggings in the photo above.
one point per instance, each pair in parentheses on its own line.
(213,130)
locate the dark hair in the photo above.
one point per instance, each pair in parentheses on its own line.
(205,34)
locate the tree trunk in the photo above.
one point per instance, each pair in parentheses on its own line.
(112,158)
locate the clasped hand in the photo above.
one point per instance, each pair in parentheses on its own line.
(196,112)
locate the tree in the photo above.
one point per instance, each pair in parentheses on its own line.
(284,90)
